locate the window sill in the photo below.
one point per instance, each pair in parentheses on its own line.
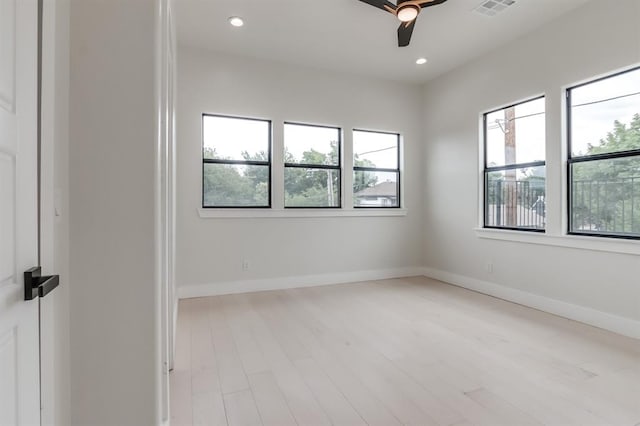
(297,213)
(611,245)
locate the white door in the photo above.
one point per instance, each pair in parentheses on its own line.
(19,342)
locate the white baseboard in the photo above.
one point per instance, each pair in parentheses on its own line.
(617,324)
(235,287)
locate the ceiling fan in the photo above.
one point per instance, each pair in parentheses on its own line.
(407,12)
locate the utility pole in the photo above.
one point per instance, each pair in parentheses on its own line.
(510,187)
(330,191)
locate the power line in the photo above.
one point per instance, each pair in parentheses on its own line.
(499,120)
(522,116)
(377,150)
(527,116)
(606,100)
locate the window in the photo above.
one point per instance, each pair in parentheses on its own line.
(236,162)
(604,156)
(376,169)
(312,166)
(514,172)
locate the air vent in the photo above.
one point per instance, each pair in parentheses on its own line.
(493,7)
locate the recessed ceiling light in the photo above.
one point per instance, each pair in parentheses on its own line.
(421,61)
(236,21)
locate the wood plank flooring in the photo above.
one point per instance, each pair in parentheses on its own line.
(403,351)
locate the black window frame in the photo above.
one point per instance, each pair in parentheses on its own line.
(380,169)
(571,160)
(515,166)
(239,162)
(337,167)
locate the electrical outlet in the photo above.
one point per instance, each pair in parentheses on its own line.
(245,265)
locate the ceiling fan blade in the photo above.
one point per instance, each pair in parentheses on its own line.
(404,33)
(385,5)
(429,3)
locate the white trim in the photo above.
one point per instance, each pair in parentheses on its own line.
(610,245)
(171,170)
(235,287)
(160,294)
(54,320)
(604,320)
(296,213)
(50,402)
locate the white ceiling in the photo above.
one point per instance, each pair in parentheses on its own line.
(351,36)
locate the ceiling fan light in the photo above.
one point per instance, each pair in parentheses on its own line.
(408,13)
(236,21)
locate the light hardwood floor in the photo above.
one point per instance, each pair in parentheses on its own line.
(403,351)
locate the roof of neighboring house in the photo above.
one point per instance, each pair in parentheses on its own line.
(384,189)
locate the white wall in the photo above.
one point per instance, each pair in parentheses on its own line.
(595,39)
(209,251)
(114,347)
